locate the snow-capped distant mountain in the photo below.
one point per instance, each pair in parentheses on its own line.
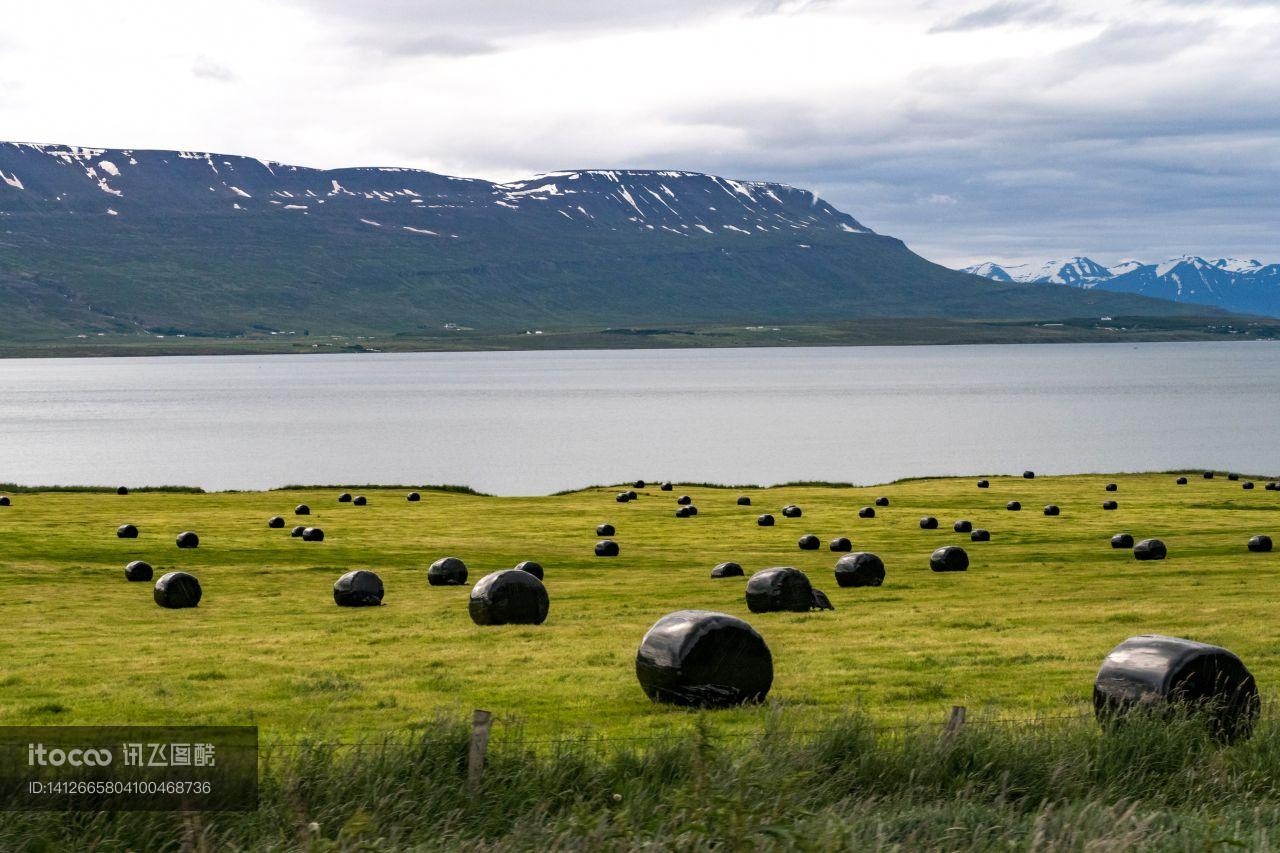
(1247,286)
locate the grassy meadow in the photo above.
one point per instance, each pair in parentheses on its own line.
(1021,634)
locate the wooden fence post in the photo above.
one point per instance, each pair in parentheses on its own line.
(955,722)
(481,722)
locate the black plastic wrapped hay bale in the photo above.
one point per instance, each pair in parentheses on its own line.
(1208,475)
(949,558)
(275,522)
(693,510)
(1247,485)
(1110,505)
(882,501)
(188,539)
(122,490)
(127,531)
(1122,540)
(1272,487)
(302,509)
(344,498)
(861,568)
(509,597)
(177,590)
(727,570)
(4,500)
(605,529)
(1233,477)
(1052,509)
(607,548)
(1152,673)
(359,500)
(963,526)
(840,543)
(743,500)
(1181,481)
(666,487)
(765,520)
(704,659)
(809,542)
(1013,506)
(1150,549)
(138,570)
(621,497)
(638,484)
(447,571)
(782,589)
(358,589)
(1028,475)
(928,523)
(413,497)
(312,534)
(296,532)
(531,567)
(683,512)
(792,511)
(1260,544)
(984,484)
(631,495)
(867,512)
(980,535)
(684,500)
(1111,487)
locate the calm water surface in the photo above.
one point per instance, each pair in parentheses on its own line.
(532,423)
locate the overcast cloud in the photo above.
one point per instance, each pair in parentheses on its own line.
(1009,130)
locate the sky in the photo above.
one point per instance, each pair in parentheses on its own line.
(1014,130)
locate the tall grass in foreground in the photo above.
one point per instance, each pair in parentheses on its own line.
(1065,785)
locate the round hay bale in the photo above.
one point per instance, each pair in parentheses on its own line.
(177,590)
(344,498)
(638,484)
(360,588)
(1260,544)
(413,497)
(1052,509)
(882,501)
(1028,475)
(631,495)
(312,534)
(447,571)
(727,570)
(275,522)
(783,589)
(984,484)
(359,500)
(867,512)
(4,500)
(1233,477)
(928,523)
(683,512)
(1150,549)
(138,570)
(127,531)
(743,500)
(840,543)
(1272,487)
(302,509)
(188,539)
(605,529)
(1122,540)
(531,567)
(621,497)
(980,535)
(122,490)
(765,520)
(692,510)
(1181,481)
(1208,475)
(1111,487)
(1110,505)
(509,597)
(704,659)
(1013,506)
(607,548)
(949,558)
(1171,675)
(684,500)
(963,526)
(666,487)
(861,568)
(791,511)
(809,542)
(1247,485)
(297,531)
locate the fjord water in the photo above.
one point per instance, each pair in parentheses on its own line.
(537,422)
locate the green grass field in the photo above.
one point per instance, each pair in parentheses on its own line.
(1020,634)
